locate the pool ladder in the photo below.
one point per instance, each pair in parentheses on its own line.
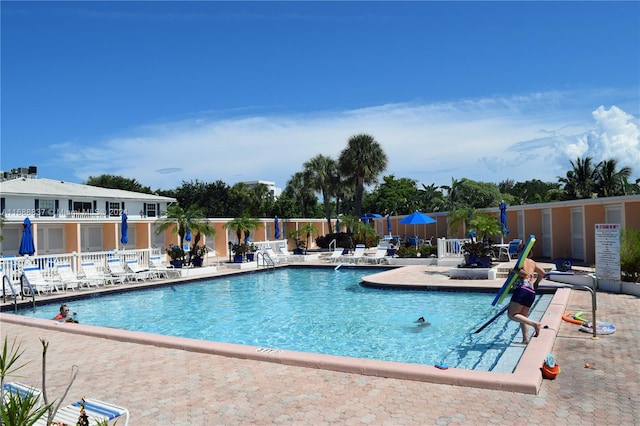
(267,261)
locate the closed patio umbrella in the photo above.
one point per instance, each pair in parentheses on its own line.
(503,220)
(338,226)
(124,230)
(26,245)
(276,225)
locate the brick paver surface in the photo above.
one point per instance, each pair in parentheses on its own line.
(173,387)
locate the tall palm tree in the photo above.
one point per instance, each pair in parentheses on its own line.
(610,181)
(242,225)
(181,221)
(580,182)
(363,159)
(322,171)
(300,191)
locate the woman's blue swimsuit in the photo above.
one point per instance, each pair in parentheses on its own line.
(524,293)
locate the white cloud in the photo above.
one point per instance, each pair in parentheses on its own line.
(489,140)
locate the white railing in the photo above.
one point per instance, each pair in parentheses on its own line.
(451,247)
(13,266)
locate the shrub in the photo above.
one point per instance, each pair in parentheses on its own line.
(630,255)
(407,252)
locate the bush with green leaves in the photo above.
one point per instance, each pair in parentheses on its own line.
(630,255)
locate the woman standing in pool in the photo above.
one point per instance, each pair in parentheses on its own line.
(523,296)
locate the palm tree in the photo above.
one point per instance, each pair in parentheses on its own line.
(181,221)
(321,171)
(308,229)
(580,182)
(363,159)
(242,225)
(610,181)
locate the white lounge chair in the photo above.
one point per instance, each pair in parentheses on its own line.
(356,256)
(21,390)
(96,411)
(140,273)
(160,270)
(39,283)
(336,254)
(284,252)
(69,278)
(117,270)
(379,257)
(268,251)
(90,271)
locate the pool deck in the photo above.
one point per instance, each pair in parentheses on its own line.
(183,382)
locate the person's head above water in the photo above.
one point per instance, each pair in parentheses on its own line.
(421,319)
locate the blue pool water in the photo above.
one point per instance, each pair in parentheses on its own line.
(311,310)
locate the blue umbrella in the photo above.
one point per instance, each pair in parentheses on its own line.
(417,218)
(276,225)
(389,229)
(368,216)
(503,218)
(26,245)
(338,225)
(124,229)
(188,236)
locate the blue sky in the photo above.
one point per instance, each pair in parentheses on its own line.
(166,92)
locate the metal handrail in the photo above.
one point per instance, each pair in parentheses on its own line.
(266,259)
(23,279)
(13,292)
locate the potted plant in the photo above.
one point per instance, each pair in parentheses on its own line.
(252,249)
(181,222)
(477,253)
(239,251)
(176,254)
(197,255)
(296,236)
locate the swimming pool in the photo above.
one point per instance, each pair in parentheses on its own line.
(311,310)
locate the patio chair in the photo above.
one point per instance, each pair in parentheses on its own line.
(97,412)
(513,248)
(140,273)
(379,256)
(336,254)
(275,258)
(117,270)
(38,282)
(284,252)
(69,279)
(162,271)
(90,271)
(21,390)
(356,256)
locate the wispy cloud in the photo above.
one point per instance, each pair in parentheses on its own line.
(491,139)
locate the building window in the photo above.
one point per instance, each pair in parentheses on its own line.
(114,209)
(151,210)
(46,207)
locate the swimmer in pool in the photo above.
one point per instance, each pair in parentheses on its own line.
(422,323)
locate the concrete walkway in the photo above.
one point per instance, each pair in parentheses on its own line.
(163,386)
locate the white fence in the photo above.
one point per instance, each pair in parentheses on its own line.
(12,267)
